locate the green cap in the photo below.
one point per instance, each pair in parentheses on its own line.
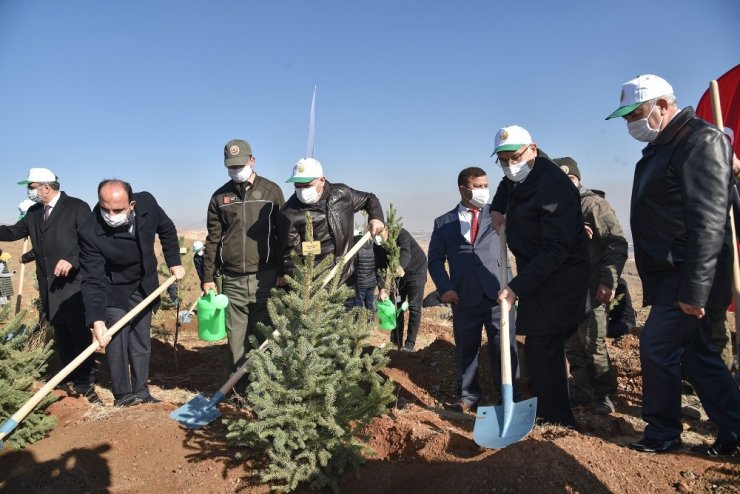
(237,153)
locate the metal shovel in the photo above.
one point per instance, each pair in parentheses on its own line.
(499,426)
(200,410)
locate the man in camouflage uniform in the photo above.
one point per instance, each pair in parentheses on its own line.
(593,374)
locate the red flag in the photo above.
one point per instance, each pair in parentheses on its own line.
(729,100)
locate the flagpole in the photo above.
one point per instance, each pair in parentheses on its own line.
(717,109)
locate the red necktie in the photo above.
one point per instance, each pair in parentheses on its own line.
(47,210)
(473,225)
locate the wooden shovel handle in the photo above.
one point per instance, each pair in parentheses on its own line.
(236,375)
(504,308)
(41,393)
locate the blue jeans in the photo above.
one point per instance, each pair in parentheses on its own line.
(365,297)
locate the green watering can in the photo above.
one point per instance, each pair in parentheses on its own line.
(387,313)
(212,316)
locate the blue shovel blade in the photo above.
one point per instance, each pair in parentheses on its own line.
(495,429)
(198,412)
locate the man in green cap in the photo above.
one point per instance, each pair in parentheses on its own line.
(594,376)
(241,248)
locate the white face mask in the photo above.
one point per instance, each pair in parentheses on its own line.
(116,220)
(240,175)
(517,171)
(641,130)
(33,194)
(308,195)
(479,197)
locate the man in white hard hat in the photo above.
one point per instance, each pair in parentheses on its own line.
(545,231)
(52,223)
(683,251)
(332,207)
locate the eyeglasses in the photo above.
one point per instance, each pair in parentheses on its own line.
(514,158)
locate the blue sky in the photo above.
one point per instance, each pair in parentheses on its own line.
(409,92)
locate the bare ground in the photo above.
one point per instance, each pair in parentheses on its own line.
(419,446)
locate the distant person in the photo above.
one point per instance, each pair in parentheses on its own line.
(366,274)
(413,278)
(199,261)
(242,247)
(119,270)
(593,374)
(622,317)
(332,207)
(52,224)
(466,241)
(683,251)
(545,231)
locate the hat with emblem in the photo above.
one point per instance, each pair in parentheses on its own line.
(639,90)
(569,166)
(39,175)
(237,153)
(511,138)
(305,171)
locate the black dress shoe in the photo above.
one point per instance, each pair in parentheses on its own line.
(151,399)
(656,445)
(462,406)
(128,400)
(717,448)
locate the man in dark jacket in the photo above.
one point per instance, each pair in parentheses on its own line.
(413,263)
(119,269)
(243,241)
(465,239)
(366,274)
(545,231)
(594,376)
(332,208)
(683,252)
(52,225)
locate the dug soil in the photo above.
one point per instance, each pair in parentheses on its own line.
(420,445)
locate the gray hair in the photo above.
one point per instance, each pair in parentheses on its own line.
(669,98)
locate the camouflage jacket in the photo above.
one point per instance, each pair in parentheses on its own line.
(607,248)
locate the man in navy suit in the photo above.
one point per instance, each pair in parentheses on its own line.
(52,222)
(119,270)
(466,239)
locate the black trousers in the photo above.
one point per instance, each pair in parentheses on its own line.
(413,289)
(671,341)
(548,379)
(467,325)
(70,340)
(129,351)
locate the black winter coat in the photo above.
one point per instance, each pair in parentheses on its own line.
(333,219)
(115,263)
(53,240)
(545,231)
(679,215)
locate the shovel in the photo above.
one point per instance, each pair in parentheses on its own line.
(10,424)
(200,410)
(499,426)
(185,316)
(19,297)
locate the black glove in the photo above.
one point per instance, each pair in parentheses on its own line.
(29,256)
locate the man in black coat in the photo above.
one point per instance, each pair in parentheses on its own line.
(683,252)
(545,231)
(413,263)
(120,270)
(52,225)
(332,207)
